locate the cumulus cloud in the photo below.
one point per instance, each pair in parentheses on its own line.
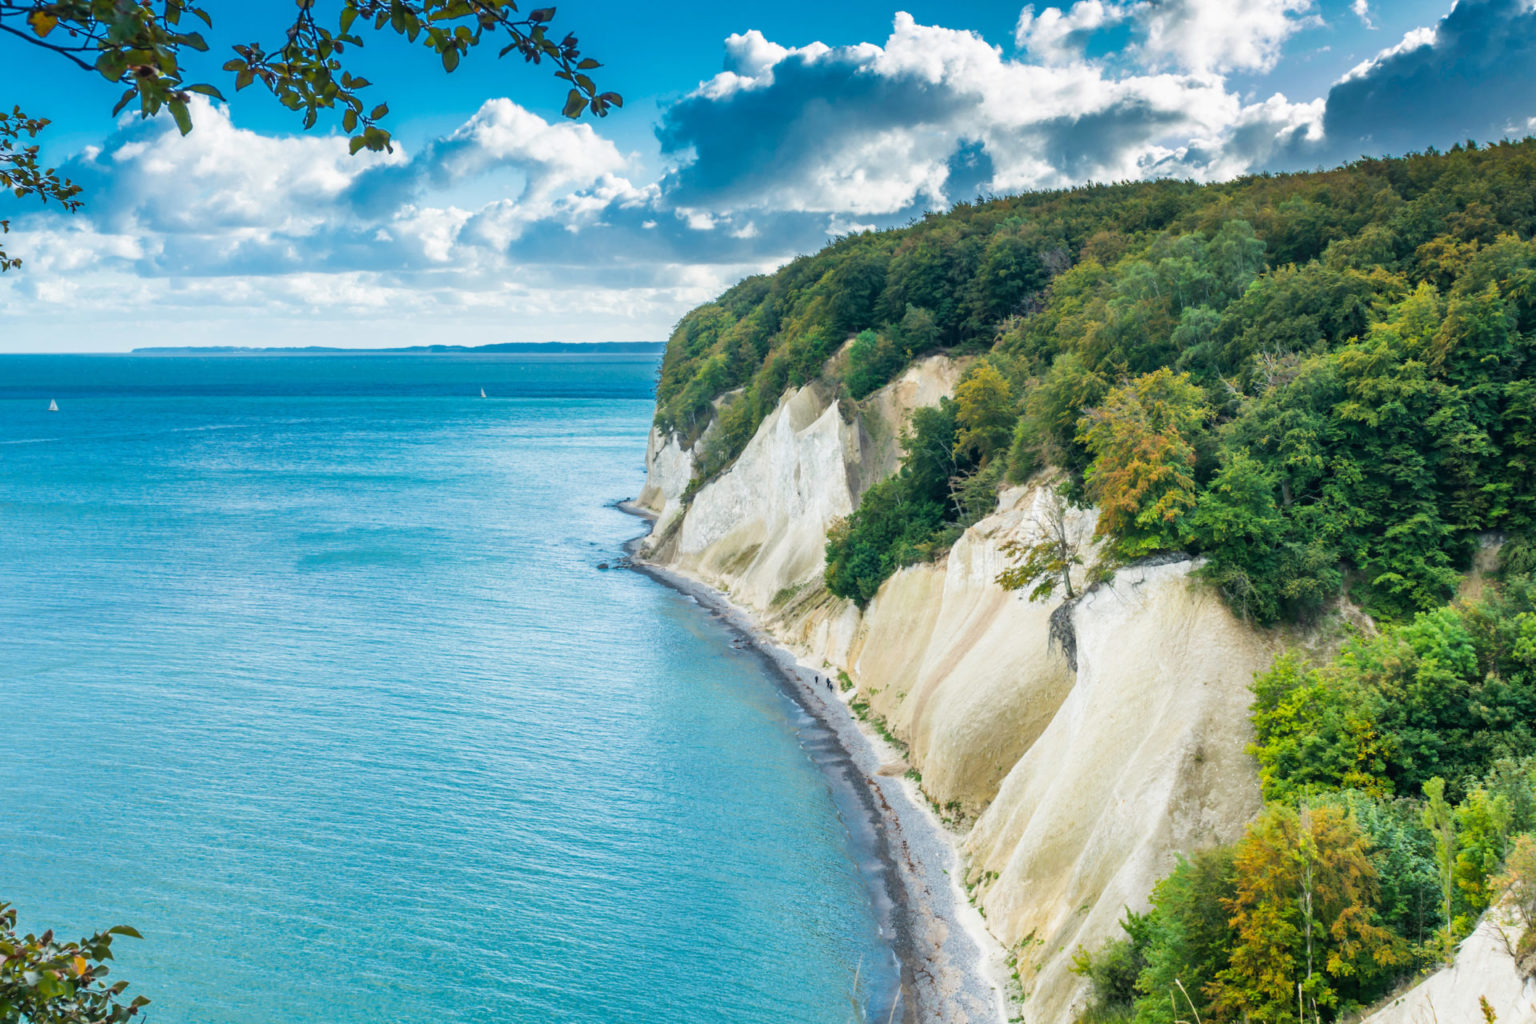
(1216,36)
(1059,37)
(248,230)
(1468,76)
(875,130)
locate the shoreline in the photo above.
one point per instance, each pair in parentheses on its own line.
(950,968)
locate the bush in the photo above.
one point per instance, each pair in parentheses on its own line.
(872,361)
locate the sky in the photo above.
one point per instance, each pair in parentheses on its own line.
(750,134)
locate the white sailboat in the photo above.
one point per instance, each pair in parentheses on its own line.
(53,406)
(482,392)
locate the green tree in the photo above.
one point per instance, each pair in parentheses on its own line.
(1440,820)
(985,413)
(873,359)
(1316,732)
(1011,271)
(1189,933)
(899,519)
(1238,525)
(1482,828)
(1403,852)
(145,47)
(1048,562)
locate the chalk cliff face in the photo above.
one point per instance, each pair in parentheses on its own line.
(1080,774)
(1081,782)
(1143,758)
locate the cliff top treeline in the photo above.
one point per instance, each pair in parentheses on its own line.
(1320,381)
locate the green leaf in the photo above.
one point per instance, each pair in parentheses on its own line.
(182,116)
(450,60)
(379,111)
(207,90)
(111,65)
(575,103)
(357,143)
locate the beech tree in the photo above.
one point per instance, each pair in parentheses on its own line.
(1142,474)
(1047,563)
(985,413)
(1304,915)
(144,46)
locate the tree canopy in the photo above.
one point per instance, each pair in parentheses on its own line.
(1321,382)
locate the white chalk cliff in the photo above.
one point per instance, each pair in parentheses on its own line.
(1079,774)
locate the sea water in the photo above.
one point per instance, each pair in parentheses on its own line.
(308,671)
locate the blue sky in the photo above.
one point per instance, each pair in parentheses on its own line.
(748,136)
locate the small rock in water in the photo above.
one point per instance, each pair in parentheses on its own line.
(602,565)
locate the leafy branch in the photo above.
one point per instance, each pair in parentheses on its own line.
(21,174)
(140,44)
(45,980)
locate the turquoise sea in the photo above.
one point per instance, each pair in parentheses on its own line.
(308,672)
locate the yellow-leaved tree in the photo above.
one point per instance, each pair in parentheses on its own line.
(1142,439)
(1305,916)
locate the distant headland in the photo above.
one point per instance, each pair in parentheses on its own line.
(519,347)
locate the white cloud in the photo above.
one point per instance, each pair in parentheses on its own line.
(1218,36)
(1057,37)
(290,232)
(1362,10)
(875,130)
(1412,40)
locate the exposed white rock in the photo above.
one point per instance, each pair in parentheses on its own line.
(1144,758)
(1087,782)
(668,468)
(1484,968)
(761,526)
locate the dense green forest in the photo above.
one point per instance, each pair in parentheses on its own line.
(1318,381)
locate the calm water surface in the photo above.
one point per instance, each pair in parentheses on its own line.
(308,672)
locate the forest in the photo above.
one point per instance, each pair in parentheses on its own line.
(1317,381)
(1320,383)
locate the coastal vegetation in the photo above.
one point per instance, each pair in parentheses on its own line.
(1317,381)
(46,981)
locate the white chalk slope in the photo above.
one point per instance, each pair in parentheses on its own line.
(1081,784)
